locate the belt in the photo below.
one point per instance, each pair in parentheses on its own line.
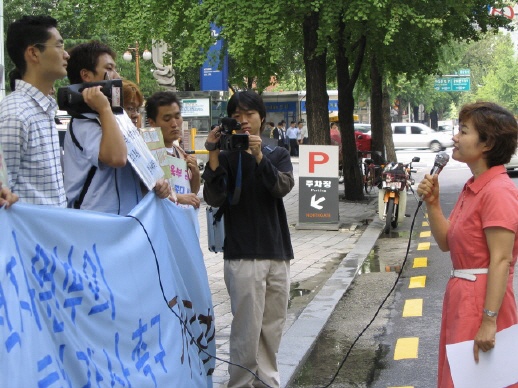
(468,274)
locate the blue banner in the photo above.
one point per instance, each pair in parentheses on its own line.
(213,73)
(93,299)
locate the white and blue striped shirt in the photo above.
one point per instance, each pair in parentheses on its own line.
(30,141)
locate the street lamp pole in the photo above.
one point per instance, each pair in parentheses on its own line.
(146,55)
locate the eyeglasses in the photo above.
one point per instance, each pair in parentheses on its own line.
(59,45)
(131,109)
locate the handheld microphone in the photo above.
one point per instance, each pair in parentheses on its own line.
(441,159)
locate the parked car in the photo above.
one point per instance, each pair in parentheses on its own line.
(363,141)
(417,135)
(513,163)
(364,128)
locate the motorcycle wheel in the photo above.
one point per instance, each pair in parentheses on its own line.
(396,216)
(388,219)
(369,180)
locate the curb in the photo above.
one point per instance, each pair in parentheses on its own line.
(300,338)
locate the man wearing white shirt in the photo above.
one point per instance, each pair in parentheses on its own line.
(293,134)
(303,133)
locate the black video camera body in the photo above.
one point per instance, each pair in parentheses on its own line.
(229,141)
(70,98)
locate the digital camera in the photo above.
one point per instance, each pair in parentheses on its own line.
(70,97)
(229,141)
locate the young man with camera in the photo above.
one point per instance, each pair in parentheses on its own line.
(29,137)
(98,175)
(250,184)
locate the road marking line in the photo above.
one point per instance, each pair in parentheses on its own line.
(420,262)
(413,308)
(417,282)
(406,348)
(424,246)
(425,223)
(425,234)
(409,386)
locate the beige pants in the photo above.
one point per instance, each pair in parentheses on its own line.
(259,292)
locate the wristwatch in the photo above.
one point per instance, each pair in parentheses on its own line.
(211,146)
(490,313)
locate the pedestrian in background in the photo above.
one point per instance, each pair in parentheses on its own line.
(280,135)
(480,233)
(29,136)
(304,135)
(258,247)
(293,135)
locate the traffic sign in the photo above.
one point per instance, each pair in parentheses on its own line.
(452,84)
(318,187)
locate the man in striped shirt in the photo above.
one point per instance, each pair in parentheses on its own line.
(28,132)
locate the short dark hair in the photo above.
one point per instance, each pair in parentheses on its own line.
(23,33)
(86,56)
(159,99)
(247,100)
(496,126)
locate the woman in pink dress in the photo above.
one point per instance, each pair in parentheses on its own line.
(480,233)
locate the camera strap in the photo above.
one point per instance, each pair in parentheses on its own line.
(234,199)
(91,172)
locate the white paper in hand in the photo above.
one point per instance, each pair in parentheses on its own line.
(495,369)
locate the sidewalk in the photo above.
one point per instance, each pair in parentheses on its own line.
(324,266)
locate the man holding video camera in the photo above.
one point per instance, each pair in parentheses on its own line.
(29,137)
(98,175)
(250,180)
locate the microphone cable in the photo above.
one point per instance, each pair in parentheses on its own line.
(384,300)
(184,324)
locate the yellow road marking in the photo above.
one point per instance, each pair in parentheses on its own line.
(425,223)
(417,282)
(406,348)
(425,234)
(413,308)
(420,262)
(424,246)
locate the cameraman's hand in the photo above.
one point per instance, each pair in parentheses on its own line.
(96,100)
(214,135)
(255,145)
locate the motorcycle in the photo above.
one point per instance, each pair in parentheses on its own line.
(409,170)
(392,196)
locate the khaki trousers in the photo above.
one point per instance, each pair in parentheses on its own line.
(259,293)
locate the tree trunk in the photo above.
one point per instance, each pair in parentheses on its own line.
(353,177)
(434,119)
(387,129)
(317,99)
(377,112)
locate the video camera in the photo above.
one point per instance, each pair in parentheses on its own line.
(229,141)
(69,98)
